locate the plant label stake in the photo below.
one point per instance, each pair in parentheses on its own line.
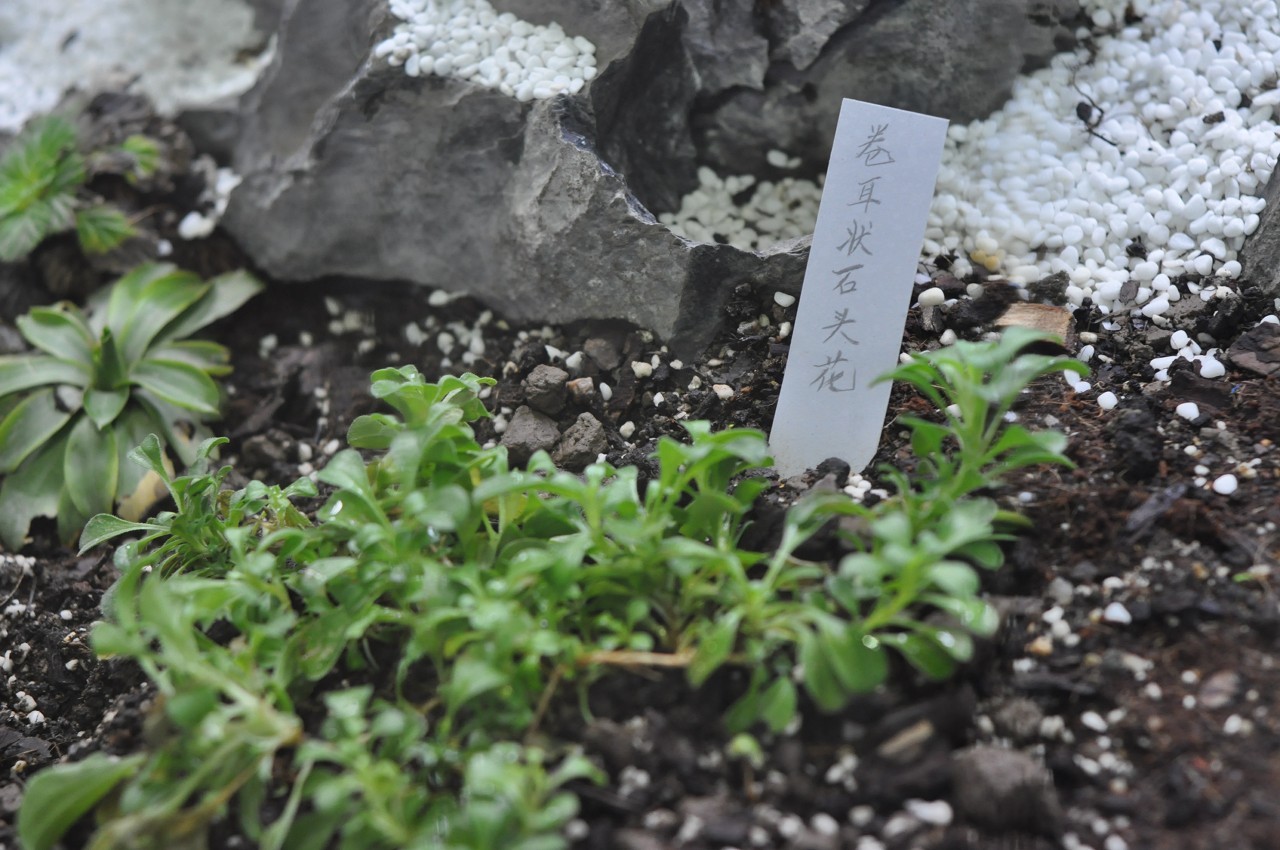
(857,286)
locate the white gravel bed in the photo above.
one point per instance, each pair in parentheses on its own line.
(183,53)
(1176,145)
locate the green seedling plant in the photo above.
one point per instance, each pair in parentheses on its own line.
(98,383)
(441,600)
(43,192)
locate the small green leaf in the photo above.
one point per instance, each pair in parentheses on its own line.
(145,154)
(819,677)
(715,647)
(856,659)
(922,653)
(954,578)
(104,527)
(101,228)
(58,796)
(778,703)
(91,467)
(470,678)
(28,426)
(180,384)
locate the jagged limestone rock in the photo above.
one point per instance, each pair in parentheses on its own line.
(545,209)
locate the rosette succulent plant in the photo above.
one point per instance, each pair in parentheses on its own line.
(100,382)
(42,189)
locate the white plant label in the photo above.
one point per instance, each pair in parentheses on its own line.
(857,286)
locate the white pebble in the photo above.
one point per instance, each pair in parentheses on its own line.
(641,368)
(932,812)
(932,297)
(783,299)
(1225,485)
(1117,613)
(1188,410)
(1107,400)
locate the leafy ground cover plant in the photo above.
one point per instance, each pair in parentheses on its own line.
(42,189)
(441,599)
(99,382)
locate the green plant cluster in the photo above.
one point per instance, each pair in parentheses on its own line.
(441,599)
(43,191)
(99,382)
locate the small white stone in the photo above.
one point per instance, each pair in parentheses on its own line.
(606,392)
(1117,613)
(641,368)
(783,299)
(1095,721)
(1225,485)
(723,391)
(932,297)
(932,812)
(1188,410)
(824,824)
(626,429)
(1211,367)
(1107,400)
(195,226)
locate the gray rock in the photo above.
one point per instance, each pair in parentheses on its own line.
(1260,256)
(1258,350)
(1018,718)
(582,391)
(529,432)
(353,169)
(799,29)
(956,60)
(545,389)
(604,352)
(581,444)
(1001,789)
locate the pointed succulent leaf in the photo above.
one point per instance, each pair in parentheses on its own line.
(225,295)
(30,491)
(110,371)
(115,305)
(103,406)
(91,467)
(161,301)
(28,426)
(59,331)
(70,519)
(179,384)
(205,355)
